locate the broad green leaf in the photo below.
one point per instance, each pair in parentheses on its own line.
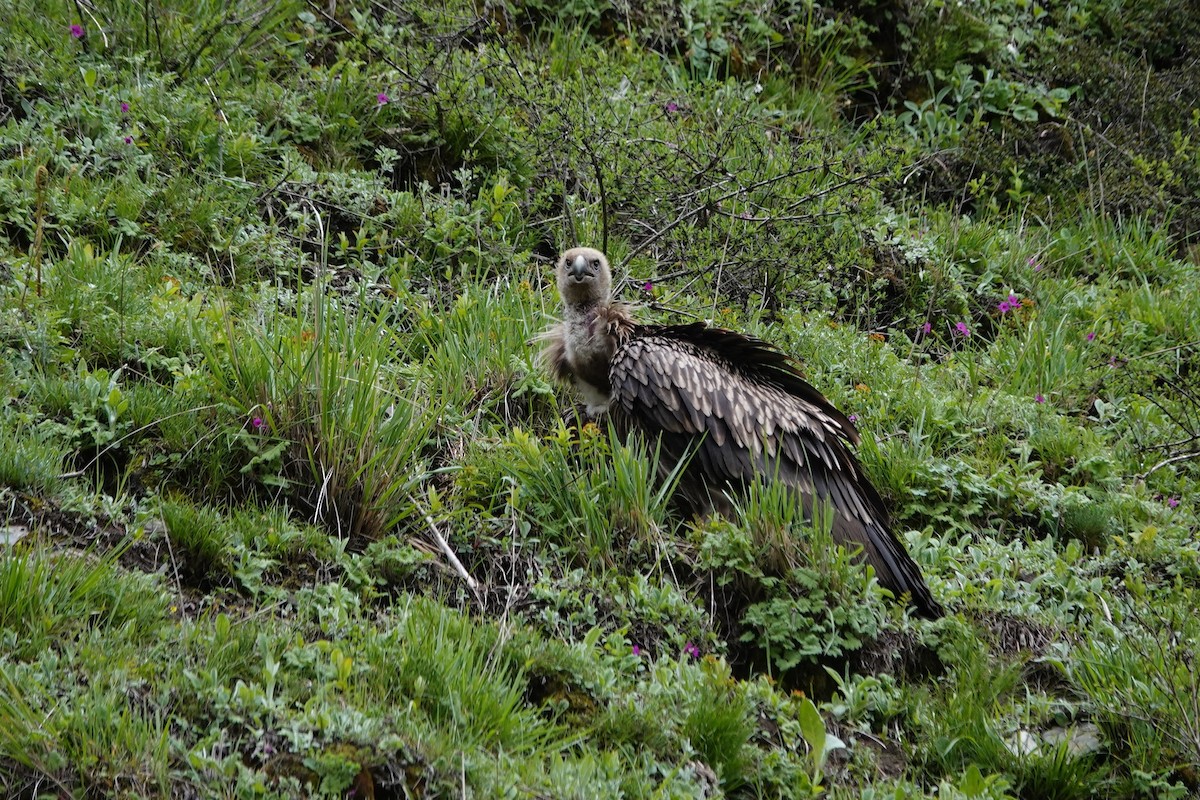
(813,729)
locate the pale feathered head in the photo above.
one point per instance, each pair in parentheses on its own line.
(583,276)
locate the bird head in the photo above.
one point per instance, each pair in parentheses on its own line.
(583,276)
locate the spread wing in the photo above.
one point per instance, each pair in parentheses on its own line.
(740,409)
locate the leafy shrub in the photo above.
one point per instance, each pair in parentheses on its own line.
(959,101)
(797,597)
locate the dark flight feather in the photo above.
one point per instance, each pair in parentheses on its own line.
(740,409)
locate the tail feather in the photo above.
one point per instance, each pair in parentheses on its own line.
(894,567)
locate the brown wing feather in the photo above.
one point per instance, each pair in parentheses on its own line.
(740,408)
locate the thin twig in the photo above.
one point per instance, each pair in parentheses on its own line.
(1167,461)
(117,442)
(656,306)
(572,233)
(1165,350)
(472,584)
(255,25)
(1167,412)
(83,8)
(603,199)
(713,204)
(425,85)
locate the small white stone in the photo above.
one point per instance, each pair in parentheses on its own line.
(12,534)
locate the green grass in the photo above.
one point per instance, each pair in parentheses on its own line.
(271,277)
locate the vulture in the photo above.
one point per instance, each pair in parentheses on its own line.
(733,407)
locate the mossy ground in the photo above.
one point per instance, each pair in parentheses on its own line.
(272,274)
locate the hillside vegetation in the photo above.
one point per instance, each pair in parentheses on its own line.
(272,277)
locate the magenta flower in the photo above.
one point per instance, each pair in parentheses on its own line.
(124,108)
(382,99)
(1039,399)
(671,107)
(691,650)
(1173,502)
(1010,303)
(962,329)
(648,287)
(77,31)
(926,328)
(1091,336)
(128,140)
(853,417)
(1033,262)
(637,651)
(258,423)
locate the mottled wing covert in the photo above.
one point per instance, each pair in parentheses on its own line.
(739,409)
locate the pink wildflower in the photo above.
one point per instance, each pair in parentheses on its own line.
(637,651)
(926,328)
(962,329)
(1091,336)
(128,140)
(1010,303)
(77,31)
(1173,502)
(1039,399)
(672,107)
(691,650)
(258,423)
(853,417)
(648,287)
(382,99)
(124,108)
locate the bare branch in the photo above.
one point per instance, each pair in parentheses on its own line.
(1168,461)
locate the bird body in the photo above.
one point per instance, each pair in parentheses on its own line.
(731,407)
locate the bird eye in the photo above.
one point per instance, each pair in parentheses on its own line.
(596,263)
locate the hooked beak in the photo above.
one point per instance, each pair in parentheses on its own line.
(579,268)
